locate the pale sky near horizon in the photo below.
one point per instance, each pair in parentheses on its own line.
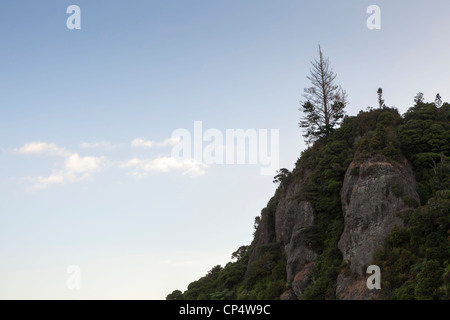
(86,118)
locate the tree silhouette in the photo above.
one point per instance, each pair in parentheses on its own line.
(324,103)
(438,100)
(380,98)
(418,98)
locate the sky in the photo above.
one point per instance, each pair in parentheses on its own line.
(88,176)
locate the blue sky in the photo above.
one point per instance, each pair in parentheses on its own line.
(73,101)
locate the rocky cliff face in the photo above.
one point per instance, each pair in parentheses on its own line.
(291,217)
(373,193)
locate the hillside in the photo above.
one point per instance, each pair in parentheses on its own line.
(376,191)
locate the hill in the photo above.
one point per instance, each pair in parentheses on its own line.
(376,191)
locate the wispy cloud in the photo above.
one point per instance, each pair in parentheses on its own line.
(139,142)
(99,145)
(164,164)
(37,148)
(75,168)
(57,177)
(169,142)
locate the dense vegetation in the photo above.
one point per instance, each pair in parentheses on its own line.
(414,260)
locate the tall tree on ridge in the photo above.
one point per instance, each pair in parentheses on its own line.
(324,103)
(438,100)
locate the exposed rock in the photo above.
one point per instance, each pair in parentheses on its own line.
(300,283)
(372,196)
(302,280)
(370,208)
(265,233)
(285,224)
(291,217)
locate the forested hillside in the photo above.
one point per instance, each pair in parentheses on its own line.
(382,176)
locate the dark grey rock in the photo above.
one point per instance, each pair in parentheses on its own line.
(370,208)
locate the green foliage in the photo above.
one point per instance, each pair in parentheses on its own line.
(381,132)
(219,283)
(264,278)
(413,258)
(239,253)
(378,134)
(428,281)
(325,186)
(425,141)
(266,275)
(283,177)
(405,292)
(175,295)
(410,201)
(262,267)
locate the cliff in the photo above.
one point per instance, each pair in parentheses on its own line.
(377,191)
(371,206)
(372,200)
(291,217)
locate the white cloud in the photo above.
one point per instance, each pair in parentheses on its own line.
(36,148)
(75,168)
(139,142)
(98,145)
(57,177)
(75,163)
(164,164)
(169,142)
